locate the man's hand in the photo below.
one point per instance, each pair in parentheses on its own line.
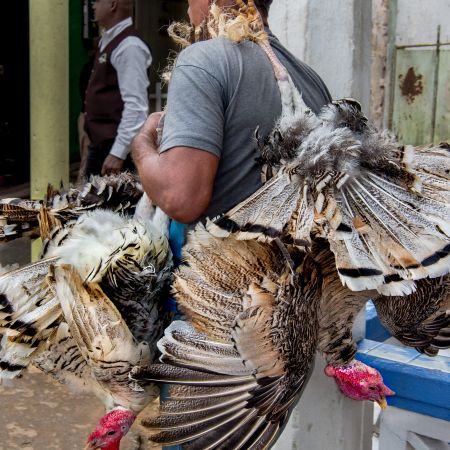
(147,138)
(112,165)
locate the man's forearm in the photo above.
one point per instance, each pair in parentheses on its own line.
(163,182)
(181,180)
(146,158)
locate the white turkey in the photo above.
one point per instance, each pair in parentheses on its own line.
(92,309)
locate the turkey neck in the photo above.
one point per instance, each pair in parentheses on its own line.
(339,307)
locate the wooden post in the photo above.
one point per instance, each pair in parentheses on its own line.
(380,44)
(49,94)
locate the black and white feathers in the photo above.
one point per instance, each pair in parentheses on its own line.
(383,207)
(102,282)
(118,193)
(346,213)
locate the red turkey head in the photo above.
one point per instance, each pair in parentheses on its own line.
(360,382)
(110,429)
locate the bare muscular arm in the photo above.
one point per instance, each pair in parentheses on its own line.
(180,181)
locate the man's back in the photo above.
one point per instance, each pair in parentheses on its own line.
(220,92)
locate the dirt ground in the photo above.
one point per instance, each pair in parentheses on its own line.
(39,414)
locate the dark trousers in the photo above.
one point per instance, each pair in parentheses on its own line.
(97,154)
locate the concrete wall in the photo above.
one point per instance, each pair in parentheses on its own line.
(333,37)
(289,21)
(417,21)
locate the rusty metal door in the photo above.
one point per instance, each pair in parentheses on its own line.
(421,102)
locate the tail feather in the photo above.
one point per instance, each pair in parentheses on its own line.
(201,417)
(29,314)
(223,358)
(196,404)
(165,373)
(184,434)
(264,214)
(228,436)
(267,436)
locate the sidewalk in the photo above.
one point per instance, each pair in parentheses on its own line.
(40,414)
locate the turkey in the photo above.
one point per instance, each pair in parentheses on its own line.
(241,359)
(92,309)
(422,319)
(346,214)
(256,314)
(119,193)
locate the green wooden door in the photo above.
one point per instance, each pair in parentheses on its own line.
(421,108)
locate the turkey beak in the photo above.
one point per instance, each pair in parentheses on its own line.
(93,445)
(382,402)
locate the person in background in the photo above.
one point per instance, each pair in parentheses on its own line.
(116,102)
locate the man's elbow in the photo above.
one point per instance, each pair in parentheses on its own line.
(184,210)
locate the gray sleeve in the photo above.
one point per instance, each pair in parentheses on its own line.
(195,111)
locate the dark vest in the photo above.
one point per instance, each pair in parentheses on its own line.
(104,104)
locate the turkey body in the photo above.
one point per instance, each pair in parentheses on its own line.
(92,308)
(422,319)
(246,350)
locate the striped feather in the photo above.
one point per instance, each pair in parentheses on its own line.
(422,319)
(233,388)
(103,339)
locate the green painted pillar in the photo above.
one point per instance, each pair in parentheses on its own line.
(49,94)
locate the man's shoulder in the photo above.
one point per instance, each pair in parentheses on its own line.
(204,53)
(132,42)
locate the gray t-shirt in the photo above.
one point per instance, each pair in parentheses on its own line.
(218,94)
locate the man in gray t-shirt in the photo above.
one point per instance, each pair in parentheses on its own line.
(219,93)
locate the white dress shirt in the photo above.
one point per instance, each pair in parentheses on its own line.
(131,59)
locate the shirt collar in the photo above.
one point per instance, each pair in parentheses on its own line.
(110,34)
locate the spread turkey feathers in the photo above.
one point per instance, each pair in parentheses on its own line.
(28,310)
(240,344)
(384,208)
(118,193)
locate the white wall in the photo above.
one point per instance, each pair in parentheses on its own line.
(289,21)
(333,37)
(417,21)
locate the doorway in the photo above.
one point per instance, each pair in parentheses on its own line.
(152,19)
(14,93)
